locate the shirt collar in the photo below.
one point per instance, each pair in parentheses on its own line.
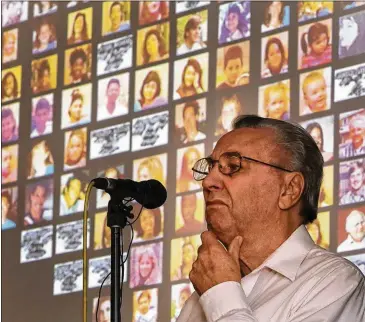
(287,259)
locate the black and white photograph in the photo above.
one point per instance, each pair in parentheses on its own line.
(67,277)
(349,82)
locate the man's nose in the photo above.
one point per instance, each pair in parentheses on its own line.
(213,181)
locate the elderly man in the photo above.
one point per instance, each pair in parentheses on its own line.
(257,262)
(355,228)
(357,134)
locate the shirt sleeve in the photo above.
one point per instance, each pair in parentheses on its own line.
(338,297)
(226,302)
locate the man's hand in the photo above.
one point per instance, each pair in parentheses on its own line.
(214,264)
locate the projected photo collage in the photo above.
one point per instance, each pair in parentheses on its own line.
(142,90)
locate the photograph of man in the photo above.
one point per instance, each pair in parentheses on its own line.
(39,202)
(42,116)
(268,173)
(9,123)
(192,33)
(9,163)
(233,66)
(354,182)
(11,83)
(113,96)
(116,17)
(189,212)
(355,229)
(145,306)
(44,74)
(190,119)
(78,64)
(352,135)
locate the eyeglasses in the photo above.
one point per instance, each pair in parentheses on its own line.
(228,163)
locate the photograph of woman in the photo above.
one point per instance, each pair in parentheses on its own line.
(40,161)
(44,36)
(9,208)
(116,17)
(10,86)
(149,225)
(80,29)
(10,45)
(153,11)
(152,167)
(183,255)
(276,15)
(193,81)
(352,35)
(75,149)
(153,44)
(153,89)
(146,265)
(192,33)
(186,158)
(76,107)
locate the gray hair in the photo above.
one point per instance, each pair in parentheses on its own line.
(305,157)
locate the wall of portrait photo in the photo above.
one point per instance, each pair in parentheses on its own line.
(142,90)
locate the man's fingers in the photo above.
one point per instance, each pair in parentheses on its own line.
(234,248)
(208,237)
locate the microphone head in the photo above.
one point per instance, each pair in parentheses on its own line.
(155,194)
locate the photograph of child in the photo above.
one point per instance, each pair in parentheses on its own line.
(10,45)
(11,81)
(78,62)
(233,65)
(80,25)
(274,100)
(9,123)
(44,74)
(116,17)
(276,15)
(234,21)
(315,44)
(315,91)
(274,55)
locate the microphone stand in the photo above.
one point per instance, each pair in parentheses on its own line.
(116,220)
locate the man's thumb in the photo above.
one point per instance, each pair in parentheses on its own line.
(234,248)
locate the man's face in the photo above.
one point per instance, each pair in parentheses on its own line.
(233,70)
(356,179)
(113,92)
(245,203)
(358,230)
(189,120)
(357,133)
(37,199)
(7,127)
(188,207)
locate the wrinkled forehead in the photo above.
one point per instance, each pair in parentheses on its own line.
(255,143)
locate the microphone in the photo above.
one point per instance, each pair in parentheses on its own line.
(150,194)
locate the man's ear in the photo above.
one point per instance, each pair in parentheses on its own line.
(292,190)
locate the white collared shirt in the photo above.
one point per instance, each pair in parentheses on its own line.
(300,281)
(350,244)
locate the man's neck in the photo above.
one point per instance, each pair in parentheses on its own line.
(111,107)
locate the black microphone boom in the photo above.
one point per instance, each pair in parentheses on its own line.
(150,194)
